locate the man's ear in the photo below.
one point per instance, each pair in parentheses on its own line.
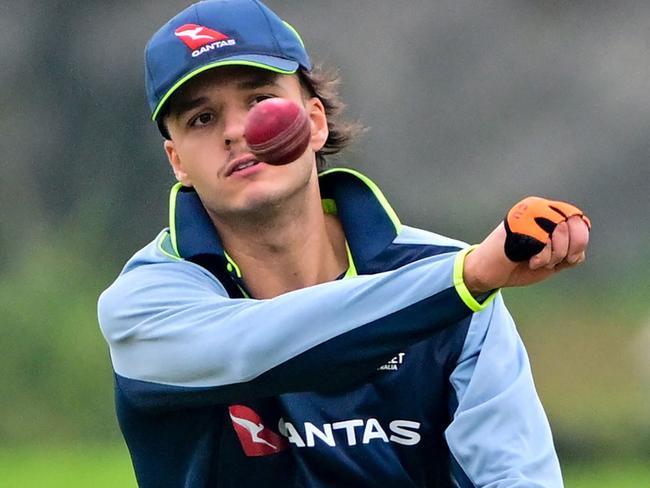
(318,120)
(175,162)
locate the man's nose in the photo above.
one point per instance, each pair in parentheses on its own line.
(233,132)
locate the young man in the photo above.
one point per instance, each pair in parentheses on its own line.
(287,329)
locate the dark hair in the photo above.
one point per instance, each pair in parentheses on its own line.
(322,84)
(162,127)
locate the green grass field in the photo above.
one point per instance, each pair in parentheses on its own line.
(99,467)
(102,467)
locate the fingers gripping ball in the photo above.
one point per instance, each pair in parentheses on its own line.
(277,131)
(530,223)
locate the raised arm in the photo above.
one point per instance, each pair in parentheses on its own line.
(176,339)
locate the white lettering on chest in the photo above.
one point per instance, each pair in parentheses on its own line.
(347,432)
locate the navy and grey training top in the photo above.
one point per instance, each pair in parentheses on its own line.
(392,377)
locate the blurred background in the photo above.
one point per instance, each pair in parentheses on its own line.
(470,105)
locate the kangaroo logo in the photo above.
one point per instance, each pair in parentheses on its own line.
(195,36)
(255,438)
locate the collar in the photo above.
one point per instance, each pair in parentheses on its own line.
(369,222)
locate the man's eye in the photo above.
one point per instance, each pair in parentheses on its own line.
(261,98)
(202,119)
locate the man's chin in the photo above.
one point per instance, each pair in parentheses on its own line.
(261,201)
(254,206)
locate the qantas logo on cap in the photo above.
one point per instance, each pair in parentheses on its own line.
(195,36)
(202,39)
(255,438)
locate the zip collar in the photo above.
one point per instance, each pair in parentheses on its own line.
(369,222)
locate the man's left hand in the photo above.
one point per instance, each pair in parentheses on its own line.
(565,230)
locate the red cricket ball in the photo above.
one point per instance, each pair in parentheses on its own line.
(277,131)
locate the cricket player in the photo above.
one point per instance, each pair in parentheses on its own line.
(287,329)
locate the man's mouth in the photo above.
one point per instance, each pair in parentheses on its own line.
(241,163)
(239,167)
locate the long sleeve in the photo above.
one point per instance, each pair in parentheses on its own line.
(177,340)
(499,436)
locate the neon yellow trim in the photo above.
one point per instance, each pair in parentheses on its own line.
(352,269)
(292,29)
(375,189)
(172,215)
(461,288)
(231,262)
(192,74)
(246,295)
(161,240)
(233,265)
(329,206)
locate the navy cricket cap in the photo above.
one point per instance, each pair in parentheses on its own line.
(215,33)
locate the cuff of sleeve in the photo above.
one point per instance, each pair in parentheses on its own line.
(465,295)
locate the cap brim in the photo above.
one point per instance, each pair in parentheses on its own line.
(271,63)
